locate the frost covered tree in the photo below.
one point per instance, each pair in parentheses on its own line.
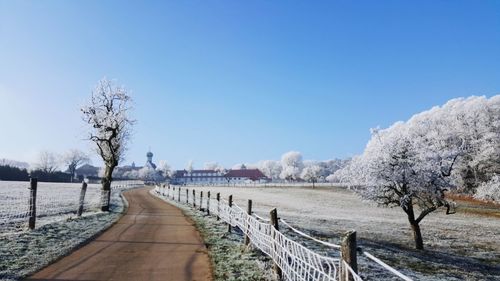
(291,165)
(412,164)
(393,172)
(213,166)
(164,169)
(108,115)
(311,173)
(74,158)
(270,168)
(476,123)
(147,173)
(47,162)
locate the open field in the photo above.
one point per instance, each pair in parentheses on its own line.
(462,246)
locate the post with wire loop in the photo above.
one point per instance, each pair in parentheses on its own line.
(348,255)
(274,224)
(230,201)
(194,198)
(82,199)
(208,203)
(201,200)
(32,202)
(249,212)
(218,205)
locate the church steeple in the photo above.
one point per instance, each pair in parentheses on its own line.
(149,162)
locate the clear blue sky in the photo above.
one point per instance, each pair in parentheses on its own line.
(239,81)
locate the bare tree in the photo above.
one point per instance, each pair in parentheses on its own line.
(47,162)
(74,158)
(108,115)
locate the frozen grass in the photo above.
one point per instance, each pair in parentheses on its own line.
(463,246)
(27,252)
(231,260)
(55,201)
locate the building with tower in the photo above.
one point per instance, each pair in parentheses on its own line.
(149,162)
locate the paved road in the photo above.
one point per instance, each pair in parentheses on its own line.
(152,241)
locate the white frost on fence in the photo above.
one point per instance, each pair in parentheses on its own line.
(53,199)
(295,260)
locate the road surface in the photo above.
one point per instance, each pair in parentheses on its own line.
(152,241)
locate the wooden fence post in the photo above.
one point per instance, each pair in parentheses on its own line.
(218,205)
(348,254)
(179,194)
(82,199)
(208,203)
(230,201)
(32,202)
(274,223)
(249,212)
(187,196)
(194,198)
(201,200)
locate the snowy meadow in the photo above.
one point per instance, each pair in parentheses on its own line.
(462,246)
(58,232)
(54,202)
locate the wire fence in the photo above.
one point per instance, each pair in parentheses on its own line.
(52,199)
(294,260)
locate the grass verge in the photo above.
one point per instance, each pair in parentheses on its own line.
(231,259)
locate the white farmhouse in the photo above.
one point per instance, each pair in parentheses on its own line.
(202,177)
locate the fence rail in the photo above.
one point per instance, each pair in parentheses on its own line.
(23,204)
(293,260)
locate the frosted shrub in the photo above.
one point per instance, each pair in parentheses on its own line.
(489,190)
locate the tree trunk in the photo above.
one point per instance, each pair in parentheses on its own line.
(106,188)
(417,236)
(415,227)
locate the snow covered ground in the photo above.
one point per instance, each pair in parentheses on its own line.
(462,246)
(25,252)
(55,202)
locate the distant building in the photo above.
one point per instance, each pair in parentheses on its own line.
(123,172)
(149,162)
(219,177)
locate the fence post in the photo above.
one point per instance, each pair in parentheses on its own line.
(208,203)
(348,254)
(194,198)
(230,201)
(32,202)
(201,200)
(274,223)
(82,199)
(179,195)
(187,196)
(218,205)
(249,212)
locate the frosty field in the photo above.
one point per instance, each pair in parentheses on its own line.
(53,201)
(462,246)
(25,252)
